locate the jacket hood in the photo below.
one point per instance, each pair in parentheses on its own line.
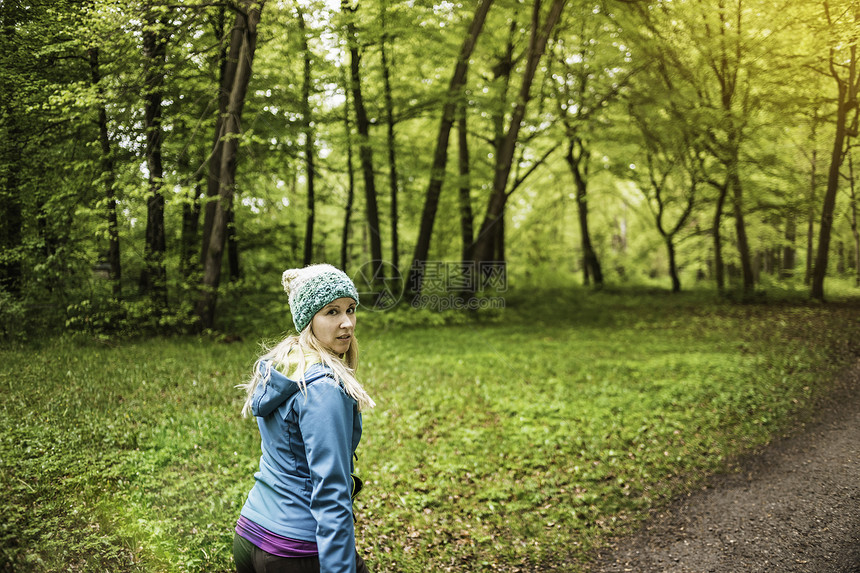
(272,392)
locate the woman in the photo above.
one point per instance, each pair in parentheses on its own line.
(307,401)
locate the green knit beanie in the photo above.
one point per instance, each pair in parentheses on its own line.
(313,287)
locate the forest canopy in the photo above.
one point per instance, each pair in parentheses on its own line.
(159,157)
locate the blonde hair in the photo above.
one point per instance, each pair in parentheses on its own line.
(282,358)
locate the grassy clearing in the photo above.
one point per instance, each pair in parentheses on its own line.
(501,443)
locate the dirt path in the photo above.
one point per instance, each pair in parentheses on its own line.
(793,508)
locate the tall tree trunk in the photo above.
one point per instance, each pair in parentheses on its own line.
(719,265)
(392,140)
(246,21)
(741,233)
(501,74)
(495,241)
(307,123)
(153,279)
(484,246)
(190,229)
(350,190)
(810,216)
(189,241)
(673,266)
(577,159)
(109,174)
(11,213)
(670,234)
(234,270)
(11,146)
(855,231)
(499,241)
(467,231)
(440,155)
(728,68)
(788,251)
(365,150)
(840,257)
(846,101)
(228,61)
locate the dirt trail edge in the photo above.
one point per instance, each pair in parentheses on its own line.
(795,507)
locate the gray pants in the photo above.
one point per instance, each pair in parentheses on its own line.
(251,559)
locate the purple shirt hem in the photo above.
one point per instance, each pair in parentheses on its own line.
(273,543)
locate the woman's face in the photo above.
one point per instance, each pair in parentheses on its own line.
(334,324)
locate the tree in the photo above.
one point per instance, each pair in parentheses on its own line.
(593,70)
(11,147)
(852,215)
(365,149)
(350,191)
(812,195)
(153,279)
(440,154)
(487,243)
(244,41)
(391,141)
(309,150)
(109,176)
(45,162)
(228,62)
(464,196)
(709,55)
(670,186)
(843,68)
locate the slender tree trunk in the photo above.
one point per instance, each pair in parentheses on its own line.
(350,191)
(365,151)
(11,151)
(499,242)
(846,101)
(234,269)
(855,231)
(233,265)
(247,21)
(467,231)
(153,279)
(788,251)
(840,257)
(228,61)
(670,234)
(741,233)
(719,265)
(730,63)
(440,155)
(190,239)
(11,213)
(109,174)
(576,156)
(484,246)
(392,141)
(310,152)
(810,217)
(673,265)
(494,240)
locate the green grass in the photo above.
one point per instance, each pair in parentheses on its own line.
(516,441)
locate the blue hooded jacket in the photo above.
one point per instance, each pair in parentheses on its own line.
(303,488)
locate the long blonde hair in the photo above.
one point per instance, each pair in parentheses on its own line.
(283,358)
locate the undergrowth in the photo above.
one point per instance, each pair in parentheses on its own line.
(513,441)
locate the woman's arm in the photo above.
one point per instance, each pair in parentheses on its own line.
(325,420)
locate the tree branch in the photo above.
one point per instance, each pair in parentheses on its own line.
(517,182)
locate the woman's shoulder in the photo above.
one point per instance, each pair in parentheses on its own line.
(321,381)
